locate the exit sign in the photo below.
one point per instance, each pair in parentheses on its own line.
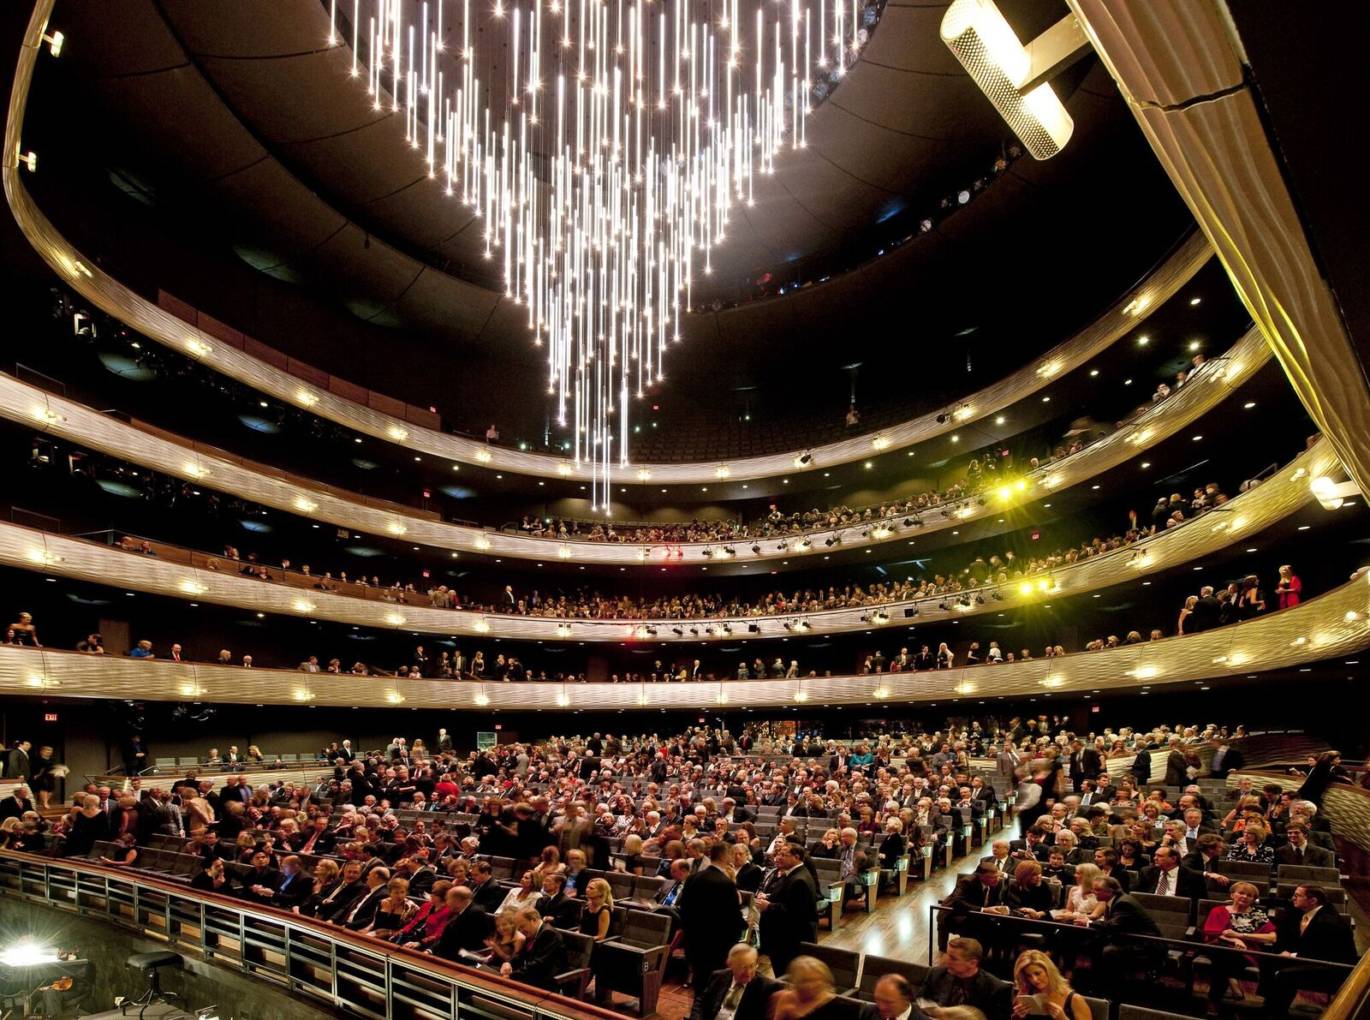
(49,717)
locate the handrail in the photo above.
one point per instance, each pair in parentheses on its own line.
(210,468)
(1353,998)
(178,572)
(102,890)
(1325,627)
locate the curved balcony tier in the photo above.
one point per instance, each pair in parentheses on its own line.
(182,573)
(1331,625)
(224,353)
(211,468)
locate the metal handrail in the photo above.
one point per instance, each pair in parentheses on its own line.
(300,954)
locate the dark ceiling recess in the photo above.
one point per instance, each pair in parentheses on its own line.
(233,143)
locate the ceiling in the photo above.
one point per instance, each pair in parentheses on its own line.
(245,122)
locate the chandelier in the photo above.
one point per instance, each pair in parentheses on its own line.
(603,158)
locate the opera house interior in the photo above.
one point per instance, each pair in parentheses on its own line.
(564,509)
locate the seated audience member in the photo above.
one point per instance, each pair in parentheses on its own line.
(1312,930)
(426,925)
(562,910)
(736,992)
(362,912)
(1298,851)
(1238,924)
(467,926)
(393,911)
(1168,877)
(1120,959)
(809,994)
(961,981)
(541,957)
(1039,989)
(1027,895)
(214,878)
(526,894)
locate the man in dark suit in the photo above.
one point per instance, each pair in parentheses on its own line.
(1176,765)
(18,801)
(1141,765)
(710,915)
(737,987)
(1168,877)
(788,906)
(1120,958)
(362,910)
(1206,613)
(960,981)
(485,891)
(893,1000)
(543,953)
(1226,759)
(329,904)
(981,893)
(746,872)
(1313,930)
(317,839)
(562,910)
(259,882)
(296,884)
(1085,763)
(467,926)
(1299,851)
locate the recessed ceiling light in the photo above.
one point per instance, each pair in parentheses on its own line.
(1093,372)
(1094,487)
(1000,420)
(1252,549)
(783,481)
(1143,340)
(869,465)
(1047,505)
(1304,527)
(1194,300)
(1196,438)
(1194,345)
(1248,405)
(1146,464)
(1046,400)
(542,483)
(1127,382)
(955,438)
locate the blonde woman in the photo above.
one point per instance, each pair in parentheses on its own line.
(393,912)
(811,992)
(599,910)
(507,940)
(1080,898)
(1040,989)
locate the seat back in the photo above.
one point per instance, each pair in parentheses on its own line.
(1172,914)
(1299,873)
(646,929)
(620,885)
(1252,871)
(1336,895)
(845,964)
(1098,1008)
(578,949)
(876,967)
(646,886)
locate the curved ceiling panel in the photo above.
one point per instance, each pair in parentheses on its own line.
(299,225)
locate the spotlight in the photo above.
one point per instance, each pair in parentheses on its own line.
(943,606)
(962,197)
(943,418)
(677,632)
(782,545)
(805,545)
(789,625)
(804,625)
(729,551)
(804,459)
(829,541)
(694,631)
(910,612)
(708,554)
(756,549)
(979,600)
(908,522)
(753,629)
(726,629)
(997,595)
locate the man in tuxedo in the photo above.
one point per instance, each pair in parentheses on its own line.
(1299,851)
(485,891)
(467,926)
(736,992)
(18,801)
(362,911)
(17,762)
(562,910)
(1120,958)
(982,892)
(543,953)
(960,981)
(1313,930)
(317,839)
(788,906)
(710,916)
(1168,877)
(338,900)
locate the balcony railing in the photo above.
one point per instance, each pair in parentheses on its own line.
(182,573)
(1327,627)
(210,468)
(297,955)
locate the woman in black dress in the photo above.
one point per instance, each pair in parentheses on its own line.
(811,994)
(599,910)
(87,825)
(44,776)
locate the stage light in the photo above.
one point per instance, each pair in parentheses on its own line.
(1011,75)
(28,952)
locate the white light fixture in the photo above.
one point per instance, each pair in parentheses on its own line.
(305,398)
(1331,495)
(397,432)
(305,505)
(1012,75)
(394,620)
